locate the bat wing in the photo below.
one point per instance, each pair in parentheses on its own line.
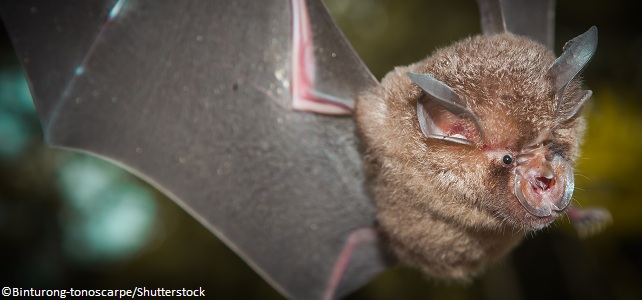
(531,18)
(194,97)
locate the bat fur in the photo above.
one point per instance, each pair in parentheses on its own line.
(449,208)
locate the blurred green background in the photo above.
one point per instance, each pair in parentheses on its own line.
(70,220)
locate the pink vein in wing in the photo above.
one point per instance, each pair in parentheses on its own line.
(304,95)
(357,237)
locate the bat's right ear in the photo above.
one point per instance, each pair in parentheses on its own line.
(568,66)
(443,108)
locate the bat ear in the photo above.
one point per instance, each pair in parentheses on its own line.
(442,96)
(568,66)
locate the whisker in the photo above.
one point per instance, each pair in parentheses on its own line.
(582,175)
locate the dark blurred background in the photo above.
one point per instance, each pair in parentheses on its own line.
(70,220)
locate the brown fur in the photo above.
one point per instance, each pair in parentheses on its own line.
(449,208)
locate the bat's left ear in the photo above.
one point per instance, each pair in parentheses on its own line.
(443,96)
(568,66)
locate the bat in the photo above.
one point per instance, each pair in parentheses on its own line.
(171,93)
(500,133)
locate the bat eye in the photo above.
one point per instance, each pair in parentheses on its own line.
(507,159)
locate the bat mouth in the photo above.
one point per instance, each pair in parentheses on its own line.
(544,188)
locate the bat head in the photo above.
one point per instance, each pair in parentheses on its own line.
(509,109)
(482,133)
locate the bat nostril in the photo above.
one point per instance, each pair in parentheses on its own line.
(544,183)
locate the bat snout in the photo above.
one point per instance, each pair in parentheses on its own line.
(544,188)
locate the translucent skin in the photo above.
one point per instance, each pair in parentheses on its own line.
(450,208)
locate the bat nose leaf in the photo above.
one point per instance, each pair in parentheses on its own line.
(542,187)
